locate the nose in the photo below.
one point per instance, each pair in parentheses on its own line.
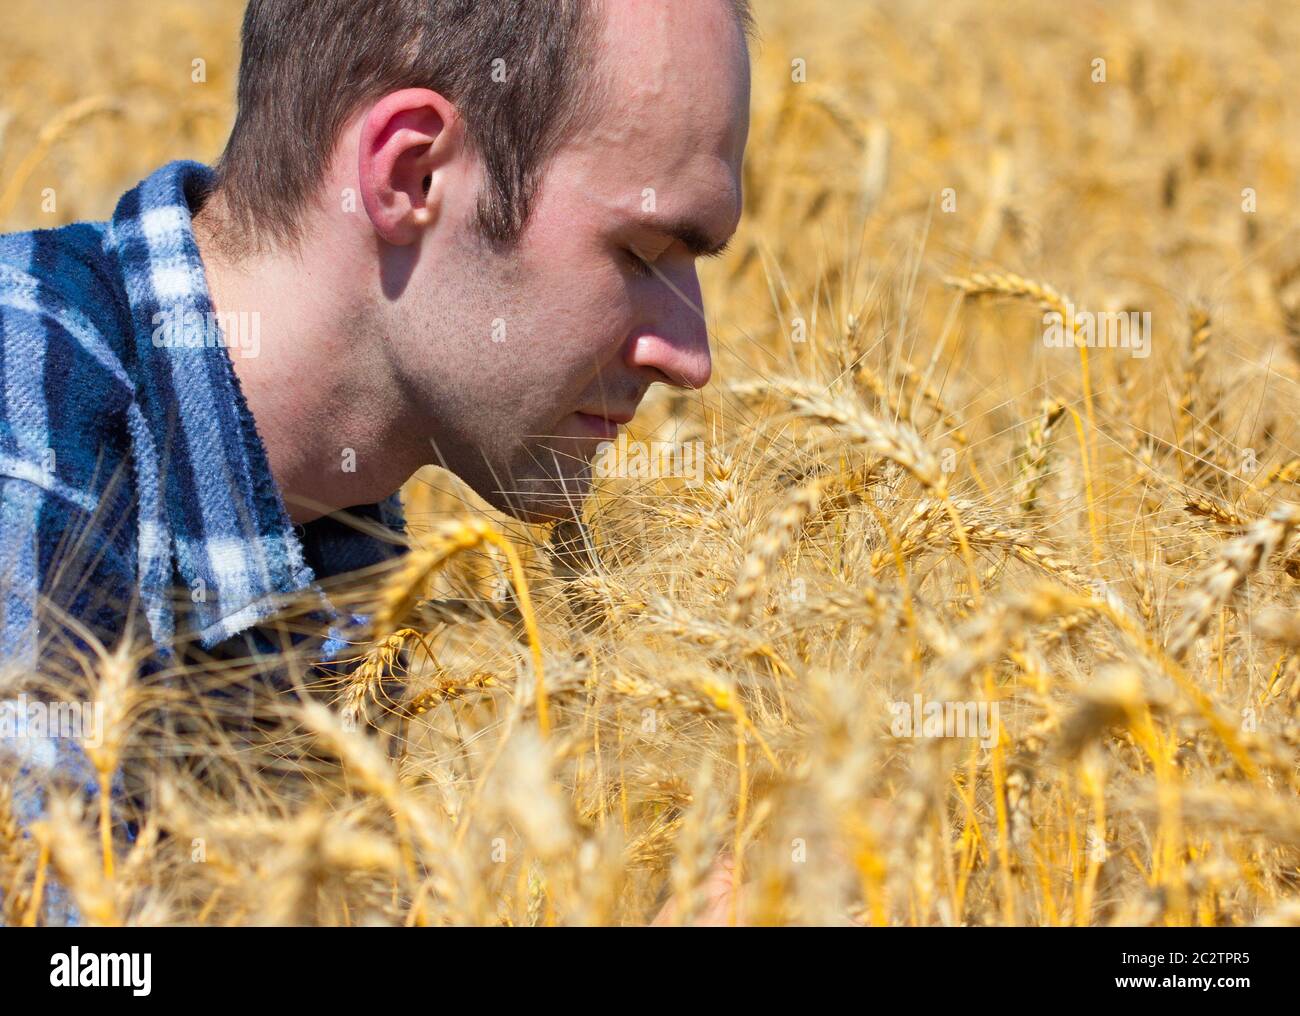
(676,344)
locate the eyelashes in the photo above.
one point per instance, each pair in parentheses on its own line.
(638,265)
(644,269)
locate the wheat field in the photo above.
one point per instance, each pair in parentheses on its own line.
(903,496)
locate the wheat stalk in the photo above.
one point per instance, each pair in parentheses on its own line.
(1235,562)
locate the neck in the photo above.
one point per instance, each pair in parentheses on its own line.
(326,400)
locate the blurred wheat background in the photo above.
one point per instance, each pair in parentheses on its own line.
(905,492)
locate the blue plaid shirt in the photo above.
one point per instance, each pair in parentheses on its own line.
(132,476)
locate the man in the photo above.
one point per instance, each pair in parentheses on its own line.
(450,232)
(441,232)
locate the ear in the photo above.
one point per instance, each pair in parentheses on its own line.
(407,141)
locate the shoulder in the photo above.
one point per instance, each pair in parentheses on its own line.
(67,274)
(65,352)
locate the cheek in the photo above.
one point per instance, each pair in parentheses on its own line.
(584,318)
(580,297)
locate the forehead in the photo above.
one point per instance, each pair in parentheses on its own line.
(674,115)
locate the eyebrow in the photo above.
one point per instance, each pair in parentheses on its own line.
(689,234)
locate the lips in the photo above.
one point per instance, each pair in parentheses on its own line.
(604,428)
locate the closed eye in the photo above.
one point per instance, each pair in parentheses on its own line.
(642,267)
(639,265)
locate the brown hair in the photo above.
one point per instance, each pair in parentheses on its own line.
(308,65)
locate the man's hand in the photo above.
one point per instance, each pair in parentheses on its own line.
(718,889)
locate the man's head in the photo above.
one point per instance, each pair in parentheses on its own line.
(519,190)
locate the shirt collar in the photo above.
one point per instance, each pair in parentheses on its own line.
(233,544)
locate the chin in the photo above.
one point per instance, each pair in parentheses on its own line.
(538,500)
